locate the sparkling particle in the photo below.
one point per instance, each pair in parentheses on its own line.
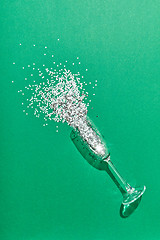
(13,62)
(12,81)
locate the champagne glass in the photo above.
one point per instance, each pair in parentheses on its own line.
(92,147)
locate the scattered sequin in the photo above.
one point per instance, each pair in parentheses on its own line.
(58,94)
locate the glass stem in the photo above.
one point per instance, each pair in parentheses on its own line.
(122,185)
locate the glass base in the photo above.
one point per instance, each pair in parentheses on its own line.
(131,201)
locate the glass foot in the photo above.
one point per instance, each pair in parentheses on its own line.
(131,201)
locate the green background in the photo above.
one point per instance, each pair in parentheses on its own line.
(47,190)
